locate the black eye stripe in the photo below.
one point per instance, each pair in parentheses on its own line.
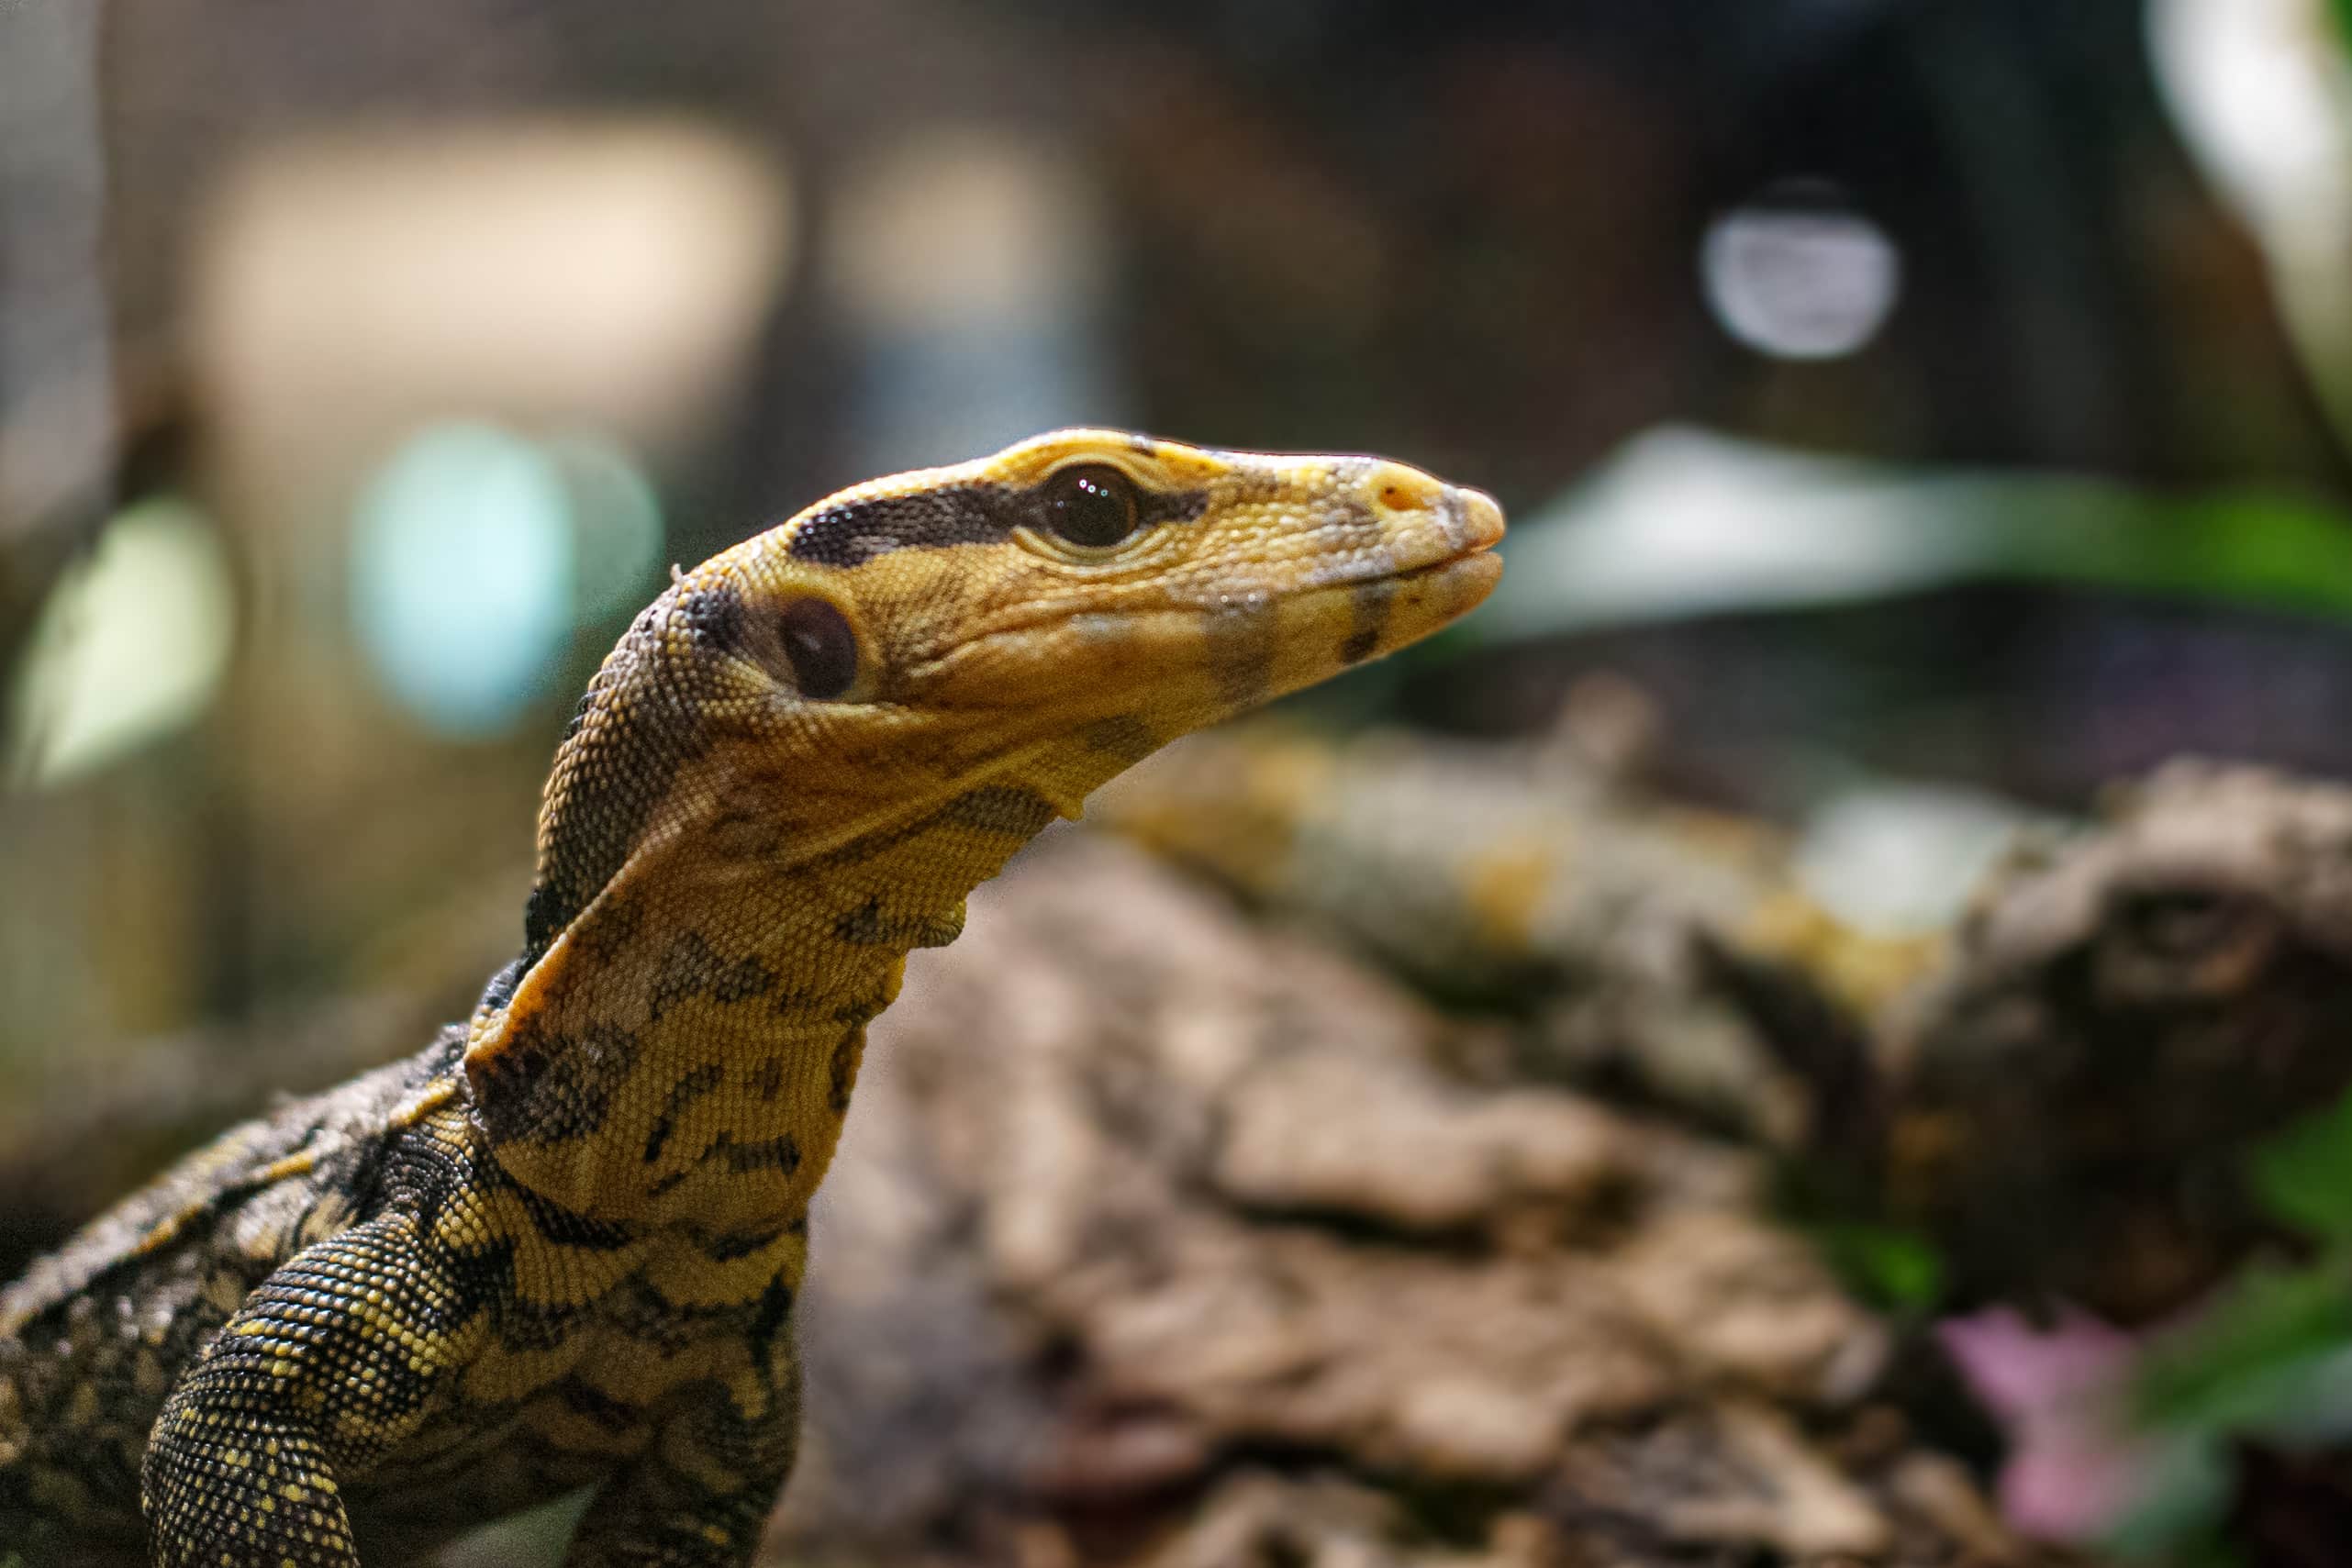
(858,532)
(855,532)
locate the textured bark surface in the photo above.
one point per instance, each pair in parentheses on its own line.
(1657,953)
(2123,1014)
(1161,1239)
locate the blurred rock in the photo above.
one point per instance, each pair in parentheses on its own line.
(1158,1239)
(2120,1020)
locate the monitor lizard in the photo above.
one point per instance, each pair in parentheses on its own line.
(558,1249)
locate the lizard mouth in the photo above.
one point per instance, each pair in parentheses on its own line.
(1450,587)
(1378,613)
(1469,525)
(1479,560)
(1462,581)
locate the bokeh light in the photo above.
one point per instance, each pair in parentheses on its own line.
(1798,275)
(474,554)
(128,650)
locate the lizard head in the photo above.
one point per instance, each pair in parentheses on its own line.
(803,755)
(1047,616)
(1113,589)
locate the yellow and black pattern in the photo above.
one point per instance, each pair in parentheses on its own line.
(559,1248)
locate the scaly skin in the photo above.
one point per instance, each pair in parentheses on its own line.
(559,1249)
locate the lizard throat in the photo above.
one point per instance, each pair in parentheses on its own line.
(685,1050)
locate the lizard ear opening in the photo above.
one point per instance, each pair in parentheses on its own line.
(821,647)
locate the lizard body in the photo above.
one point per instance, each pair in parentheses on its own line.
(559,1248)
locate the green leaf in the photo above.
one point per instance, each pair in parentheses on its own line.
(2303,1175)
(2246,1363)
(1890,1267)
(1682,522)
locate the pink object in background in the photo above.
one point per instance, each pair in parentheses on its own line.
(2074,1470)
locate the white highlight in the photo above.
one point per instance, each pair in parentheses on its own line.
(1799,283)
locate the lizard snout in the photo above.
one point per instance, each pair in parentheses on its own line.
(1427,522)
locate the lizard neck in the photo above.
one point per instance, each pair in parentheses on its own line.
(683,1052)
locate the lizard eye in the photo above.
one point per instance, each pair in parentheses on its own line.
(1092,506)
(821,647)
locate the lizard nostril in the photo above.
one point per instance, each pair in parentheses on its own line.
(1402,490)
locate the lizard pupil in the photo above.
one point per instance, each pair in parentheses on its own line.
(1092,506)
(822,647)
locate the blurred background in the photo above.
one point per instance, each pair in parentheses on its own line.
(1920,414)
